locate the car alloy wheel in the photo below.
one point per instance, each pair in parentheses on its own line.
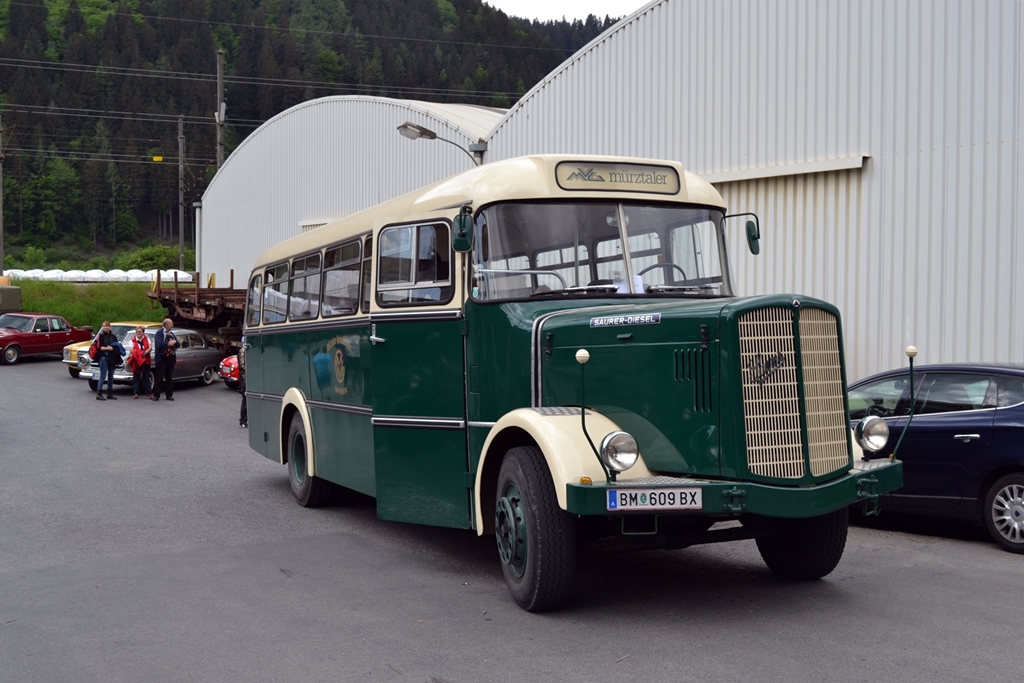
(1004,512)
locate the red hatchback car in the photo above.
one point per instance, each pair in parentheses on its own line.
(229,371)
(29,334)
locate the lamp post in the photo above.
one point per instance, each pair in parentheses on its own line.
(415,132)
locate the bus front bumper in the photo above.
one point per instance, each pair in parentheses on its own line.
(865,482)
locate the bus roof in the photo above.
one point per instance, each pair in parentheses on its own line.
(529,177)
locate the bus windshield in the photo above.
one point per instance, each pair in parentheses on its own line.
(528,250)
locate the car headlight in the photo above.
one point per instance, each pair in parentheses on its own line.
(619,451)
(872,433)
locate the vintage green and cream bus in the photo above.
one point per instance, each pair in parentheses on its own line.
(549,349)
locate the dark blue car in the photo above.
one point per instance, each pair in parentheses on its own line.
(963,455)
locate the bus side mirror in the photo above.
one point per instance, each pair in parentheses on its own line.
(753,238)
(463,238)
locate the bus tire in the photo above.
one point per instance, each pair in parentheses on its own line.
(310,491)
(536,538)
(805,549)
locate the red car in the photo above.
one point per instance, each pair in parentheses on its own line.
(29,334)
(229,371)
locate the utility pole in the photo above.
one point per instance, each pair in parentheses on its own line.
(181,192)
(221,109)
(3,153)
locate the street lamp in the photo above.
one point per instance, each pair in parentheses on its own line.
(415,132)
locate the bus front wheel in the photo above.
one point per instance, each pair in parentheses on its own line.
(309,491)
(536,538)
(805,549)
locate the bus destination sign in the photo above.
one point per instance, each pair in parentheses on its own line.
(612,177)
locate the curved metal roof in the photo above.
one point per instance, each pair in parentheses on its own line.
(472,121)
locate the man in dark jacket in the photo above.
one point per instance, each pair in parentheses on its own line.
(243,414)
(109,355)
(165,347)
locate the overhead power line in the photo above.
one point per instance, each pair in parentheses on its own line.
(245,80)
(144,117)
(43,154)
(104,156)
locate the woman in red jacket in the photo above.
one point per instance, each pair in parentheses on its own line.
(138,362)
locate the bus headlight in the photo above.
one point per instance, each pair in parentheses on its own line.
(619,451)
(872,433)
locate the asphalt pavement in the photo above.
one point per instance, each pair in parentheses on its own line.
(145,541)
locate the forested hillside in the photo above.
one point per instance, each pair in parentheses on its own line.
(91,91)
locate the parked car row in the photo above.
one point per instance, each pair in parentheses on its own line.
(121,329)
(195,359)
(963,453)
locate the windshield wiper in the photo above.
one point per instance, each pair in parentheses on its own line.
(593,288)
(651,289)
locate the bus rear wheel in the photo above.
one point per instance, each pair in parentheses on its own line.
(310,491)
(805,549)
(536,538)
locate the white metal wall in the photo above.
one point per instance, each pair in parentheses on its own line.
(325,159)
(918,243)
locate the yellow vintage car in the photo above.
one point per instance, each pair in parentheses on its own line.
(71,351)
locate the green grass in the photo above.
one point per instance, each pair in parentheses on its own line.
(91,304)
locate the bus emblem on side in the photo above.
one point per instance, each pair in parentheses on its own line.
(338,347)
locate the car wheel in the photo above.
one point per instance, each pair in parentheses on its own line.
(209,374)
(94,384)
(805,549)
(310,491)
(536,538)
(73,372)
(11,354)
(233,386)
(1004,512)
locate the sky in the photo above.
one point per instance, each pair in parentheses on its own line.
(545,10)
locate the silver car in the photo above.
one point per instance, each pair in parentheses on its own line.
(195,360)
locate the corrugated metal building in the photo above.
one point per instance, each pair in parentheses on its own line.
(322,160)
(878,141)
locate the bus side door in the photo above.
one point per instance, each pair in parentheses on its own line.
(419,427)
(255,385)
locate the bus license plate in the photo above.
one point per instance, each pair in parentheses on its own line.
(654,499)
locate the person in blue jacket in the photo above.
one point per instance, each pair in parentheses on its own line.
(110,351)
(165,348)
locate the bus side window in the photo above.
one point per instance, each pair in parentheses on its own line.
(304,290)
(414,265)
(275,294)
(341,280)
(252,315)
(364,305)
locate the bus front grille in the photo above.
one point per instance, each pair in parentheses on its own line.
(823,391)
(771,395)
